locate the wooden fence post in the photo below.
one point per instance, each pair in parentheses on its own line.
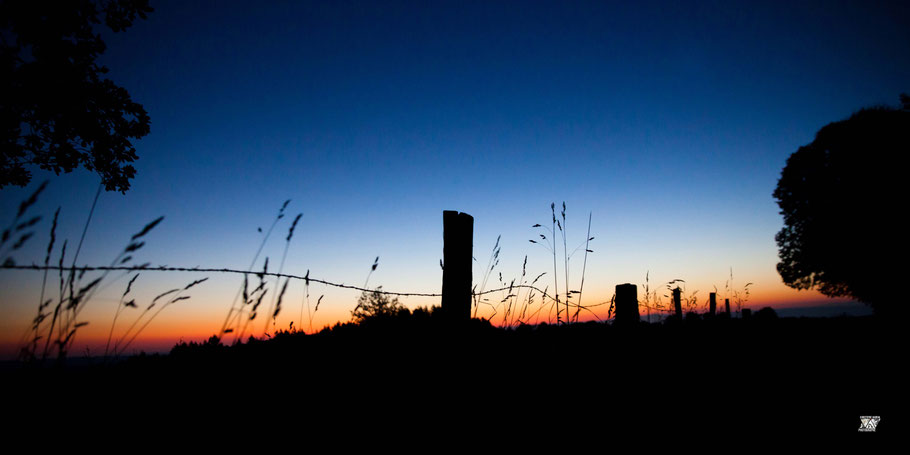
(457,254)
(677,302)
(727,304)
(627,304)
(712,310)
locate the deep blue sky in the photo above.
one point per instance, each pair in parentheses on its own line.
(670,122)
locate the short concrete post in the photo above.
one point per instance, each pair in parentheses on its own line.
(627,304)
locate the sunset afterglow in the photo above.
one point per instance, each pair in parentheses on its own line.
(667,124)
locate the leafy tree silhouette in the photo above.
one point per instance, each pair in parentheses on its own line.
(834,196)
(376,305)
(58,111)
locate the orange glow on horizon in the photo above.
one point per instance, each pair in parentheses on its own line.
(203,319)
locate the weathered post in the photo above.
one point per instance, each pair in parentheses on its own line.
(677,302)
(712,309)
(457,252)
(727,304)
(627,304)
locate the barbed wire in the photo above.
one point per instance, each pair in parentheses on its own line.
(164,268)
(306,278)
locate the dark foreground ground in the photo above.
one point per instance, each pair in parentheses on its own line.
(759,378)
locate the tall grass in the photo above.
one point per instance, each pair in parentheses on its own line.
(235,314)
(508,317)
(654,303)
(275,308)
(58,328)
(121,305)
(251,300)
(548,241)
(738,297)
(126,340)
(581,288)
(476,294)
(20,228)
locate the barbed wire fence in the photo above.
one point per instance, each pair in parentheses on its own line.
(238,312)
(457,238)
(306,278)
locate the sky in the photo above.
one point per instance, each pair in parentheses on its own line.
(667,123)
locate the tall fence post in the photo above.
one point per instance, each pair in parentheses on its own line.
(713,306)
(677,302)
(727,305)
(627,304)
(457,253)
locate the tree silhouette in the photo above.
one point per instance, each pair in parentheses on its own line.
(57,110)
(376,305)
(834,196)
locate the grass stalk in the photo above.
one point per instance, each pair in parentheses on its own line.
(72,273)
(584,266)
(565,255)
(555,273)
(284,256)
(230,315)
(120,307)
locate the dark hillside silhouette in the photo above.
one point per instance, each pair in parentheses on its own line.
(837,198)
(58,112)
(705,377)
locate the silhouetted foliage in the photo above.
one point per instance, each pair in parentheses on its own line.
(833,196)
(58,112)
(766,314)
(376,305)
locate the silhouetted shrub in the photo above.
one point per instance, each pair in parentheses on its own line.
(376,305)
(765,314)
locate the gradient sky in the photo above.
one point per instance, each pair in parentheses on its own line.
(669,122)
